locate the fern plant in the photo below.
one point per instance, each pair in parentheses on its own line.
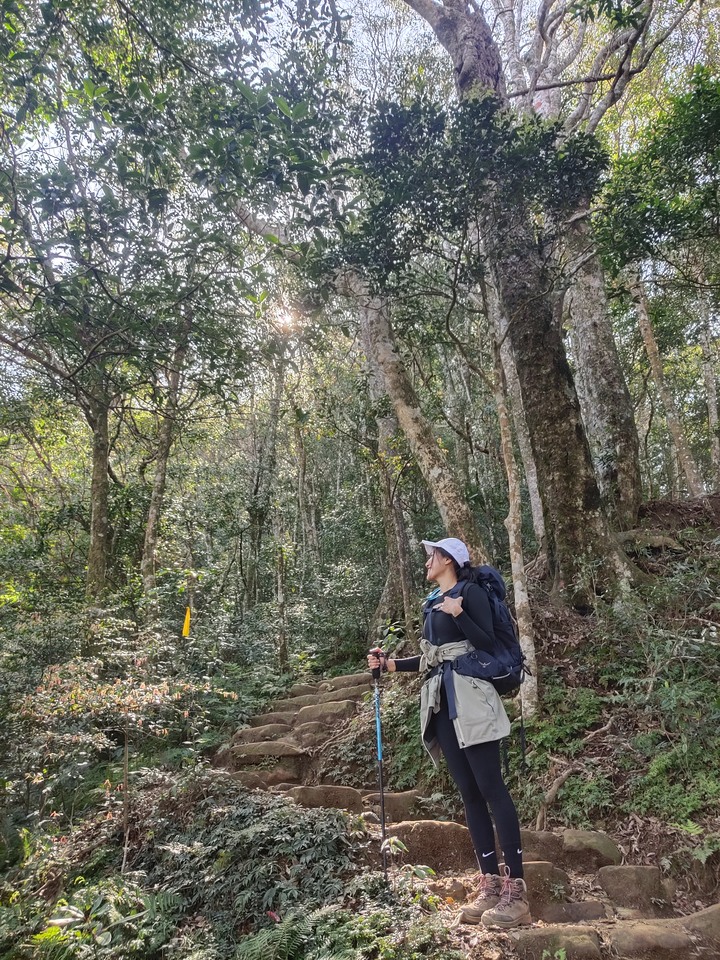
(285,941)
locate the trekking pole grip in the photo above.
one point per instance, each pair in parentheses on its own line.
(377,671)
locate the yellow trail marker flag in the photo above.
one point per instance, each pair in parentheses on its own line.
(186,625)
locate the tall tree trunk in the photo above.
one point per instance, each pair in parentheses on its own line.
(282,644)
(98,415)
(708,365)
(398,595)
(259,502)
(604,397)
(684,455)
(525,448)
(306,504)
(513,525)
(512,386)
(454,508)
(166,436)
(581,538)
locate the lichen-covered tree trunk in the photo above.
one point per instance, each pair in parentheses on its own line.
(399,555)
(579,535)
(282,639)
(525,448)
(685,458)
(512,386)
(604,397)
(454,508)
(513,525)
(398,595)
(98,415)
(306,506)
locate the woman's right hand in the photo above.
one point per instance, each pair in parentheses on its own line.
(377,659)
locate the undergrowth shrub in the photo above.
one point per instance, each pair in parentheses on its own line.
(140,690)
(334,933)
(202,850)
(661,648)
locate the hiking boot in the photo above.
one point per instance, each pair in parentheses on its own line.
(512,909)
(486,896)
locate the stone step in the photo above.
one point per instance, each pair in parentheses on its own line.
(327,696)
(344,798)
(311,734)
(293,704)
(349,680)
(247,754)
(345,693)
(267,779)
(570,942)
(669,939)
(440,844)
(638,890)
(270,731)
(331,712)
(582,850)
(574,911)
(398,806)
(300,689)
(265,719)
(431,841)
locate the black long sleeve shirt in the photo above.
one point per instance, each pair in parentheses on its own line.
(474,624)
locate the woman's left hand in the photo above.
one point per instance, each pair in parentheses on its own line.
(451,605)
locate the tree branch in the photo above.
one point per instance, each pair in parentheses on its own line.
(426,9)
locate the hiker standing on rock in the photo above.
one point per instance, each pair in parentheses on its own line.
(464,718)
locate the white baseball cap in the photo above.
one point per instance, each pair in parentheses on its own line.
(452,546)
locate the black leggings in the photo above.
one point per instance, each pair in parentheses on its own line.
(477,773)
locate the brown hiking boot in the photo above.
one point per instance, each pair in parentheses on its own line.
(486,896)
(512,909)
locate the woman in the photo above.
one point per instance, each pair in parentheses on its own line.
(464,718)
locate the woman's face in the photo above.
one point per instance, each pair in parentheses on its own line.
(434,564)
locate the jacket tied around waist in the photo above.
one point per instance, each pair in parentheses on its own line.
(474,705)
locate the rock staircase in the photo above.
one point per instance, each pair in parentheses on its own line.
(586,904)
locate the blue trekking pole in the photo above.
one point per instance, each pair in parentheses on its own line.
(378,732)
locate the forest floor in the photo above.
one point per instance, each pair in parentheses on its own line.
(161,855)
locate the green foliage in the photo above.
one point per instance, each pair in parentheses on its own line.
(587,799)
(285,941)
(427,168)
(337,934)
(568,713)
(114,918)
(254,854)
(616,12)
(665,196)
(679,782)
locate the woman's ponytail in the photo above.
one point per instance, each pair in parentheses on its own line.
(463,572)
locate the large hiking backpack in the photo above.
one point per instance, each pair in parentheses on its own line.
(505,666)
